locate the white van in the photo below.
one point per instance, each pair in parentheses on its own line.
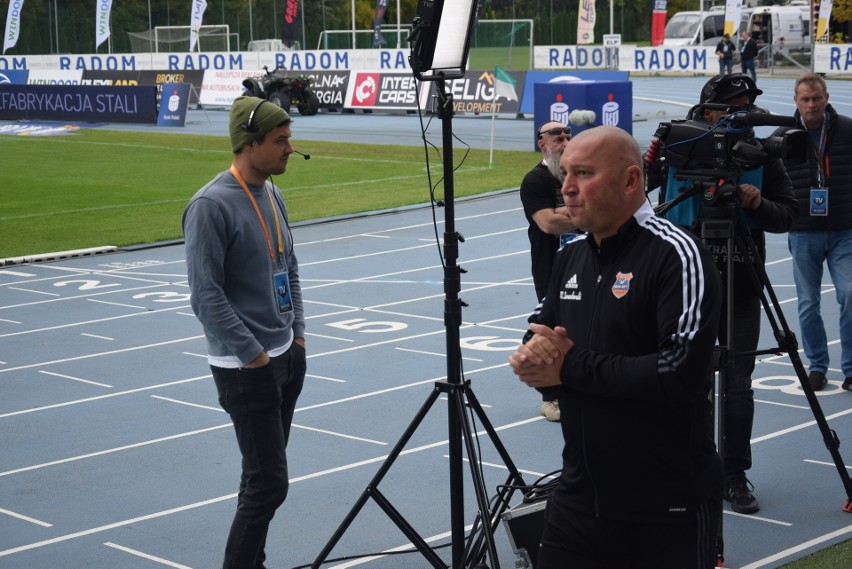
(683,28)
(785,28)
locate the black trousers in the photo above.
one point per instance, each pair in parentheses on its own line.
(261,403)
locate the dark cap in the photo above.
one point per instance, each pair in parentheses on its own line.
(251,118)
(723,88)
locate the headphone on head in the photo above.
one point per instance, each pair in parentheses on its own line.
(249,126)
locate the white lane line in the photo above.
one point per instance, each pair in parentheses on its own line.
(314,335)
(98,337)
(146,556)
(798,548)
(121,304)
(100,354)
(75,378)
(195,505)
(114,450)
(798,427)
(99,397)
(188,404)
(424,352)
(324,378)
(34,291)
(26,518)
(341,435)
(824,463)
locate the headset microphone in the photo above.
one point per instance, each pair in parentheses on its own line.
(305,156)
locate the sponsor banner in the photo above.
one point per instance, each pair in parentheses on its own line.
(173,104)
(220,88)
(308,60)
(40,77)
(378,90)
(835,59)
(13,77)
(658,22)
(586,17)
(533,77)
(686,59)
(195,79)
(330,87)
(474,93)
(572,57)
(93,103)
(112,78)
(610,101)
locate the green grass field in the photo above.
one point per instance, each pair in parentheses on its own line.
(99,187)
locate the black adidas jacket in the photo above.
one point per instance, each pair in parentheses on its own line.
(643,314)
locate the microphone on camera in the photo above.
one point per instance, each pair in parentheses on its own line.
(305,156)
(763,119)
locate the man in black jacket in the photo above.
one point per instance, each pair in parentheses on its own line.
(823,232)
(764,202)
(626,330)
(748,51)
(548,221)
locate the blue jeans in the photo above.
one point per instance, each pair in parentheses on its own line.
(810,249)
(726,64)
(738,395)
(748,67)
(261,403)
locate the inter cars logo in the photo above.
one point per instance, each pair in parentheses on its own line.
(366,88)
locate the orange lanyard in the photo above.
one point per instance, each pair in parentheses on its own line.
(244,186)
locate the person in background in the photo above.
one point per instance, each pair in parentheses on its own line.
(763,201)
(627,330)
(823,232)
(725,52)
(244,279)
(748,51)
(548,221)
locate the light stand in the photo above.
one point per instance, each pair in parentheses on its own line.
(439,53)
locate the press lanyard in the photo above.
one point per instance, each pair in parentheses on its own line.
(244,186)
(818,153)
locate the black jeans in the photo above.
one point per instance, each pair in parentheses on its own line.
(261,403)
(738,394)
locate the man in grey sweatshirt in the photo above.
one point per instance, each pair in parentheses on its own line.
(244,280)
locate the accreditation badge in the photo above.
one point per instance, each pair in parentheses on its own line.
(819,201)
(281,286)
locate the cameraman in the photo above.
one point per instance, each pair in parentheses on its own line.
(764,201)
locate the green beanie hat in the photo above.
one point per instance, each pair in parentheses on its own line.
(267,116)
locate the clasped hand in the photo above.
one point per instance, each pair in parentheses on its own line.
(538,363)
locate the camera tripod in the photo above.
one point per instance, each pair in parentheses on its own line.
(719,223)
(467,552)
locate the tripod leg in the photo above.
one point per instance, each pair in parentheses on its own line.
(372,491)
(787,343)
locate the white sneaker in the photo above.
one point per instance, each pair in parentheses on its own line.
(550,410)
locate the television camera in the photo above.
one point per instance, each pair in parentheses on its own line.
(712,155)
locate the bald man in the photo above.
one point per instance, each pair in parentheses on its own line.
(627,330)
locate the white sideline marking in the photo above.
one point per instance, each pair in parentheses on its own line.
(75,378)
(798,548)
(25,518)
(146,556)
